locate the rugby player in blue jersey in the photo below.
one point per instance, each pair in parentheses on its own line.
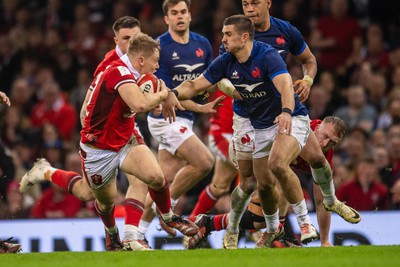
(183,157)
(280,121)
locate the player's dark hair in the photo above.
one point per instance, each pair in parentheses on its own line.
(168,3)
(142,43)
(126,22)
(242,24)
(340,127)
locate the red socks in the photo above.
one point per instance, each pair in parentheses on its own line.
(133,210)
(162,198)
(65,179)
(205,202)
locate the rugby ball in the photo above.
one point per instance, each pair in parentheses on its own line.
(149,84)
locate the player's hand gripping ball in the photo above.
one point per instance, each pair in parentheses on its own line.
(149,83)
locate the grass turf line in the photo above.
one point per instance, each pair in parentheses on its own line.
(305,257)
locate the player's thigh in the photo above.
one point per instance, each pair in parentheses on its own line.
(286,148)
(312,152)
(106,195)
(170,164)
(195,153)
(142,163)
(263,173)
(243,134)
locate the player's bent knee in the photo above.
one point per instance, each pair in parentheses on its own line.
(248,185)
(316,160)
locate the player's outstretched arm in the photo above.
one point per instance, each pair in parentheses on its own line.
(210,107)
(139,102)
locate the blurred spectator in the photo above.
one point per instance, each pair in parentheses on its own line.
(78,92)
(393,131)
(52,147)
(390,116)
(83,43)
(336,38)
(365,191)
(55,14)
(11,127)
(10,63)
(22,99)
(377,91)
(357,113)
(355,148)
(15,207)
(66,71)
(395,197)
(394,155)
(55,203)
(395,78)
(7,15)
(340,172)
(378,139)
(56,110)
(317,103)
(328,80)
(29,68)
(382,161)
(375,51)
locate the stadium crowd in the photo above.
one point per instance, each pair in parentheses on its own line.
(50,48)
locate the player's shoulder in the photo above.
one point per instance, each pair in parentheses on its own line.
(164,38)
(197,37)
(281,24)
(261,47)
(118,66)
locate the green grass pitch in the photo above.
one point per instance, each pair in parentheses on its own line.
(357,256)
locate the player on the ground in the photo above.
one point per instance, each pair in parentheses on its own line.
(263,82)
(329,133)
(109,140)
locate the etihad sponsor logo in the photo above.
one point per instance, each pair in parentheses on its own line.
(189,68)
(254,95)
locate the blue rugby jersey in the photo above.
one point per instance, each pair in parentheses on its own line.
(253,79)
(180,62)
(282,36)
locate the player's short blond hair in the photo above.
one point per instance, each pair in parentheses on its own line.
(141,43)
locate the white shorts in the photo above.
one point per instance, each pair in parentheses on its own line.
(243,134)
(170,135)
(265,137)
(100,166)
(219,144)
